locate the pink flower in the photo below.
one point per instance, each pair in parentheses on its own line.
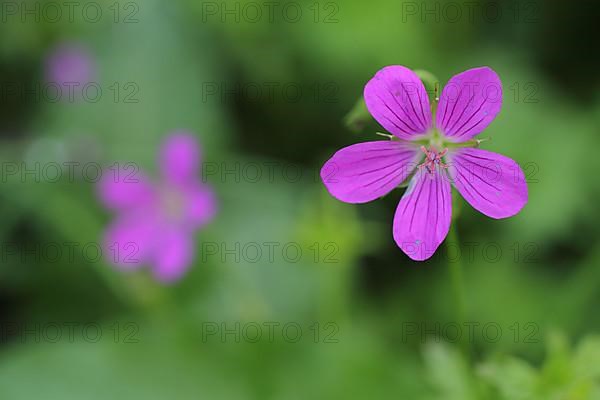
(69,66)
(155,222)
(434,152)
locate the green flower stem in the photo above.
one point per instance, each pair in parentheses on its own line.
(431,83)
(456,277)
(455,269)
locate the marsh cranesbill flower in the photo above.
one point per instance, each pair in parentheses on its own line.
(433,152)
(155,222)
(70,67)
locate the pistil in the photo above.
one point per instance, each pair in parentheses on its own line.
(433,159)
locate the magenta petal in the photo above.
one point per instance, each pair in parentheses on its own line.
(128,241)
(366,171)
(492,183)
(423,216)
(180,157)
(469,103)
(173,255)
(121,189)
(70,65)
(397,99)
(201,205)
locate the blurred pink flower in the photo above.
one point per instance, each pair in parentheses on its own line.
(155,222)
(69,66)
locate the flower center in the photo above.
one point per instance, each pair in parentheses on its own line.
(433,159)
(172,203)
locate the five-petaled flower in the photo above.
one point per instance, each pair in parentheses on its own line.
(156,221)
(433,152)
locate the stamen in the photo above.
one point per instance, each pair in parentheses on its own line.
(433,159)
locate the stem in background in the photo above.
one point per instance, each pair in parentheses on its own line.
(456,276)
(455,269)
